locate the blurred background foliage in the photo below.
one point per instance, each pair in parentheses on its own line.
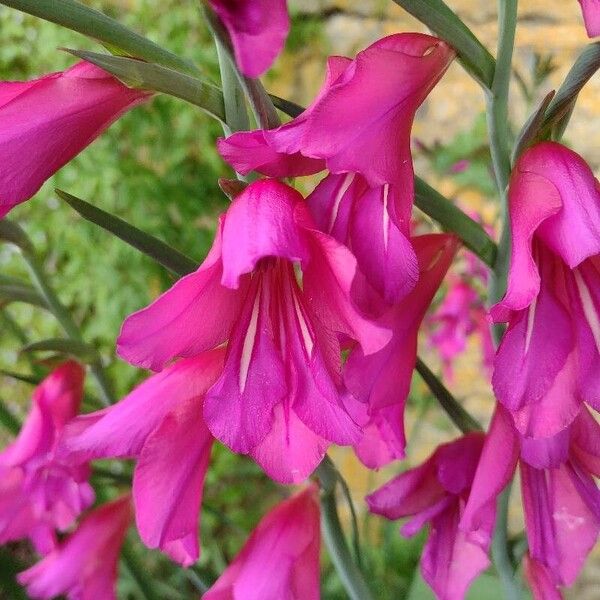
(157,168)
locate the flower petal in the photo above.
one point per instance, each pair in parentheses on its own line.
(591,16)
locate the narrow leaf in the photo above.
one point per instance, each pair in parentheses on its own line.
(530,131)
(12,233)
(75,348)
(19,292)
(92,23)
(176,262)
(138,74)
(440,18)
(451,218)
(586,65)
(31,379)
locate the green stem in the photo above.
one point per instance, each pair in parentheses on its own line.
(500,549)
(341,557)
(8,419)
(458,415)
(66,322)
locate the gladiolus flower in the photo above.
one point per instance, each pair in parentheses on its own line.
(364,141)
(39,491)
(160,423)
(549,360)
(280,397)
(435,493)
(258,30)
(281,557)
(560,498)
(540,581)
(48,121)
(84,566)
(591,16)
(380,382)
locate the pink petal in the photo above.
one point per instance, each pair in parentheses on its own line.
(260,223)
(384,253)
(543,453)
(122,429)
(258,29)
(540,581)
(280,560)
(50,121)
(451,561)
(195,315)
(168,481)
(591,15)
(586,442)
(495,469)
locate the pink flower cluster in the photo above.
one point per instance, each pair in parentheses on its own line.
(299,330)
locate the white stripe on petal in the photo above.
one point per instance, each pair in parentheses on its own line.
(249,341)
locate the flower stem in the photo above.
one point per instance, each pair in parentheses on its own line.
(458,415)
(341,557)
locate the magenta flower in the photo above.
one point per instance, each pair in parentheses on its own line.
(84,566)
(258,30)
(160,423)
(548,362)
(435,493)
(280,397)
(281,557)
(39,491)
(48,121)
(380,382)
(540,581)
(560,498)
(591,16)
(364,141)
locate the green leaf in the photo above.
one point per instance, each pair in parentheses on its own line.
(168,257)
(20,292)
(32,380)
(438,16)
(8,419)
(74,348)
(12,233)
(559,109)
(451,218)
(92,23)
(531,129)
(138,74)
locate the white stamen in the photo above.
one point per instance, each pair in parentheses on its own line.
(249,344)
(386,216)
(307,338)
(530,322)
(338,199)
(589,310)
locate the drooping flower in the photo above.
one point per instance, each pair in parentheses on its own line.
(84,566)
(40,491)
(549,359)
(380,382)
(435,493)
(280,397)
(46,122)
(591,16)
(363,139)
(258,30)
(160,423)
(561,501)
(281,557)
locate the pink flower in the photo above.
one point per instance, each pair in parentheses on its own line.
(258,29)
(160,423)
(591,16)
(435,493)
(364,141)
(281,557)
(40,492)
(48,121)
(84,566)
(380,382)
(539,580)
(560,498)
(460,315)
(280,397)
(548,362)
